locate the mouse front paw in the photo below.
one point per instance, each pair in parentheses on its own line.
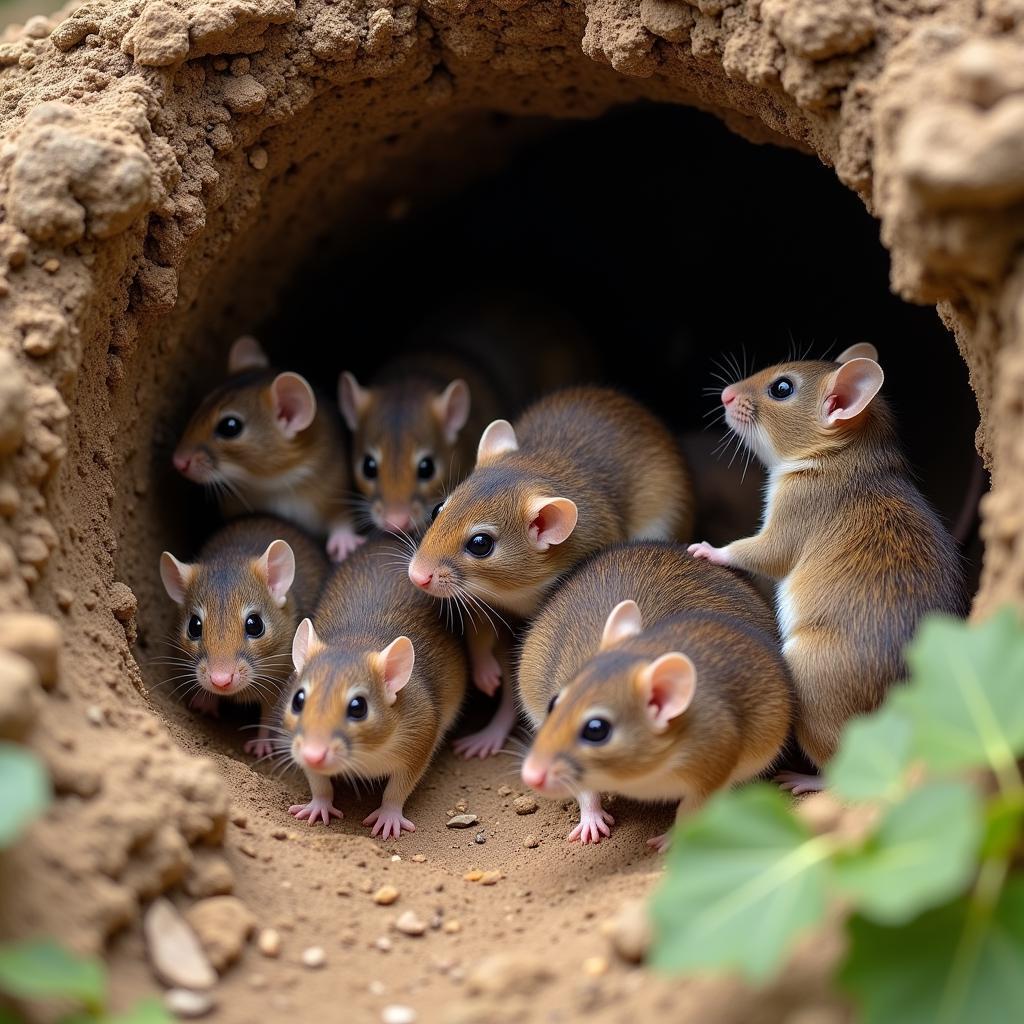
(342,541)
(595,824)
(388,822)
(485,743)
(660,843)
(486,673)
(259,748)
(717,556)
(318,807)
(797,783)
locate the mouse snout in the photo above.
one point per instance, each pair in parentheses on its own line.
(314,754)
(222,680)
(181,461)
(419,575)
(728,395)
(396,519)
(535,773)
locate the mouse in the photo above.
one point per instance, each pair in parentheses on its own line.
(857,554)
(654,675)
(263,443)
(239,604)
(414,433)
(580,469)
(378,683)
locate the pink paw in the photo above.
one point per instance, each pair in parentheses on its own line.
(486,673)
(260,747)
(318,807)
(342,542)
(485,743)
(716,556)
(798,783)
(660,843)
(388,822)
(594,824)
(205,703)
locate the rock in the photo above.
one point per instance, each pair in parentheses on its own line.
(398,1014)
(35,637)
(258,158)
(531,842)
(12,403)
(174,949)
(383,944)
(667,19)
(505,791)
(269,942)
(451,926)
(474,875)
(418,858)
(159,38)
(630,932)
(223,924)
(208,875)
(491,877)
(386,895)
(188,1005)
(819,29)
(314,957)
(506,974)
(480,838)
(18,707)
(410,924)
(524,805)
(595,966)
(243,95)
(462,821)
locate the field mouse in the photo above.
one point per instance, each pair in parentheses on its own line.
(239,604)
(858,554)
(654,675)
(414,431)
(378,683)
(263,443)
(581,469)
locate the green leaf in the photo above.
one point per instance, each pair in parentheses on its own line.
(745,876)
(966,697)
(873,756)
(922,854)
(24,790)
(9,1017)
(951,965)
(148,1011)
(42,970)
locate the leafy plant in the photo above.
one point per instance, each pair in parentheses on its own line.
(921,864)
(24,790)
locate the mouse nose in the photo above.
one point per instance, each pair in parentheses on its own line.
(396,519)
(534,775)
(728,395)
(222,680)
(314,754)
(419,577)
(181,462)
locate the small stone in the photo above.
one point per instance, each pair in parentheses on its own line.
(279,833)
(385,895)
(630,932)
(383,944)
(65,598)
(410,923)
(269,942)
(396,858)
(18,699)
(51,266)
(174,949)
(480,838)
(258,158)
(398,1014)
(506,974)
(462,807)
(595,966)
(505,791)
(491,877)
(188,1005)
(531,842)
(451,926)
(366,885)
(223,924)
(314,957)
(94,713)
(473,876)
(462,821)
(418,858)
(33,636)
(524,805)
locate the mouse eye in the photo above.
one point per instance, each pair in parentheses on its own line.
(480,545)
(782,389)
(436,510)
(229,426)
(551,703)
(298,702)
(425,468)
(195,627)
(357,709)
(254,626)
(596,730)
(369,467)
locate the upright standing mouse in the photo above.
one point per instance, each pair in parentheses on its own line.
(414,430)
(654,675)
(239,604)
(581,469)
(859,556)
(378,683)
(263,443)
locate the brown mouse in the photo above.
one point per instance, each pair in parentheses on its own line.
(654,675)
(858,554)
(263,443)
(240,603)
(581,469)
(378,683)
(414,434)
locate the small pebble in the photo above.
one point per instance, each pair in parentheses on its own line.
(462,821)
(452,926)
(418,858)
(366,885)
(524,805)
(397,1014)
(95,715)
(188,1005)
(410,924)
(531,842)
(505,791)
(385,895)
(314,957)
(396,858)
(51,266)
(473,876)
(383,944)
(279,833)
(462,807)
(595,966)
(269,942)
(490,878)
(480,838)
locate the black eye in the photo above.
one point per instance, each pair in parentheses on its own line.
(596,730)
(551,703)
(230,426)
(425,468)
(357,709)
(480,545)
(369,467)
(298,702)
(195,627)
(436,510)
(781,389)
(254,626)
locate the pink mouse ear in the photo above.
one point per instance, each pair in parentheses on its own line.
(294,403)
(276,567)
(550,521)
(395,663)
(851,389)
(862,350)
(451,408)
(667,686)
(353,400)
(623,621)
(176,577)
(246,354)
(498,438)
(304,644)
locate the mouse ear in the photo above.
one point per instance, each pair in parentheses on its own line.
(666,686)
(352,400)
(623,621)
(176,576)
(498,438)
(246,354)
(294,403)
(395,663)
(850,390)
(305,644)
(451,408)
(551,521)
(276,567)
(862,350)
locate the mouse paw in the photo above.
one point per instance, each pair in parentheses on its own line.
(486,673)
(797,783)
(660,843)
(388,822)
(342,542)
(205,703)
(485,743)
(595,824)
(260,747)
(717,556)
(318,807)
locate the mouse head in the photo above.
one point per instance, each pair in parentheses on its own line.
(801,409)
(235,621)
(251,429)
(404,437)
(344,704)
(499,534)
(614,726)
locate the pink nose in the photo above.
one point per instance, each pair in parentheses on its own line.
(728,395)
(534,775)
(182,462)
(396,520)
(314,755)
(222,680)
(420,578)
